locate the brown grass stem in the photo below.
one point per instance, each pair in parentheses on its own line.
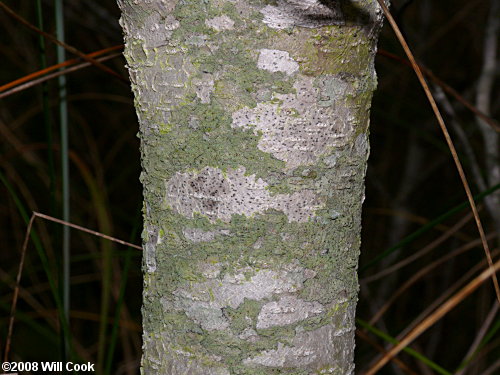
(446,134)
(41,72)
(21,265)
(34,82)
(67,47)
(446,88)
(435,316)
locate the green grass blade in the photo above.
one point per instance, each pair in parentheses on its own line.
(487,338)
(433,365)
(46,113)
(41,254)
(128,261)
(63,118)
(405,241)
(51,336)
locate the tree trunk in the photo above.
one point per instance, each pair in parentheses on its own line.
(254,137)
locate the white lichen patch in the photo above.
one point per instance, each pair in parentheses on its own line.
(216,195)
(171,23)
(249,334)
(304,13)
(288,310)
(203,302)
(209,270)
(277,61)
(154,30)
(299,128)
(314,349)
(208,315)
(234,288)
(220,23)
(164,357)
(204,87)
(153,239)
(199,235)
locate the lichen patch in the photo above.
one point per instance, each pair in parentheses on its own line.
(153,239)
(299,128)
(220,23)
(216,195)
(203,302)
(287,310)
(198,235)
(204,87)
(304,13)
(314,349)
(164,357)
(277,61)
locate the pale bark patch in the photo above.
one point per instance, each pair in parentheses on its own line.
(299,128)
(150,247)
(220,23)
(287,310)
(314,349)
(305,13)
(216,195)
(203,302)
(204,87)
(164,358)
(199,235)
(249,334)
(277,61)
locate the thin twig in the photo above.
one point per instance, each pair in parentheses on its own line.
(71,69)
(361,334)
(69,48)
(419,253)
(95,233)
(422,272)
(21,265)
(474,166)
(49,69)
(449,141)
(16,290)
(447,88)
(479,337)
(491,370)
(429,308)
(484,96)
(435,316)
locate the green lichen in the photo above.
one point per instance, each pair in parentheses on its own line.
(244,316)
(192,15)
(334,50)
(239,77)
(362,103)
(200,135)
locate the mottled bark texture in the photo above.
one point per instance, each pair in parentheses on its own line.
(254,136)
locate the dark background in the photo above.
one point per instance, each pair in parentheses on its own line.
(411,181)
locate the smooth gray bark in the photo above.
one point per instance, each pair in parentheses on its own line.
(254,138)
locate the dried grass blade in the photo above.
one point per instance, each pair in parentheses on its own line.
(449,141)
